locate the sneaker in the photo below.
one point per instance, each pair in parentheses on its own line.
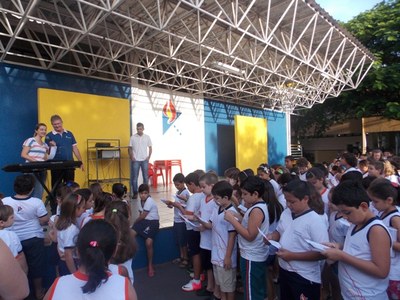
(202,276)
(191,286)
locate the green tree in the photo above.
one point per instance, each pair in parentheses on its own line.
(379,93)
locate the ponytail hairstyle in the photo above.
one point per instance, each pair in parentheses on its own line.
(37,128)
(275,209)
(243,175)
(265,169)
(253,184)
(85,193)
(300,189)
(102,201)
(117,213)
(119,190)
(96,190)
(96,244)
(382,188)
(68,210)
(316,173)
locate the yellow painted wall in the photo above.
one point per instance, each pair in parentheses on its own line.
(251,140)
(89,117)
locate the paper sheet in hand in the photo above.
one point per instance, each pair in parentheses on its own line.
(201,219)
(178,200)
(164,201)
(242,208)
(272,242)
(188,221)
(317,246)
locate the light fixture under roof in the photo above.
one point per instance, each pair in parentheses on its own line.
(228,68)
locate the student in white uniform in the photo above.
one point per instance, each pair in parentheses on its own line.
(147,224)
(337,231)
(253,250)
(224,243)
(384,197)
(29,216)
(182,195)
(72,208)
(364,262)
(89,203)
(207,208)
(9,237)
(117,213)
(275,210)
(192,231)
(316,177)
(96,244)
(300,271)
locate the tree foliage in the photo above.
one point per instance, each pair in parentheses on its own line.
(379,93)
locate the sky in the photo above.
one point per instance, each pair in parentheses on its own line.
(344,10)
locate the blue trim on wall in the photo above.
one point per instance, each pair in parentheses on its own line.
(19,111)
(219,113)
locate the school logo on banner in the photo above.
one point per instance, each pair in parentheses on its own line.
(170,115)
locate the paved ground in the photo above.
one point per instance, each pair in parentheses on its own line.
(166,284)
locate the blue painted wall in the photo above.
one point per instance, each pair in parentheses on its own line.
(19,112)
(219,113)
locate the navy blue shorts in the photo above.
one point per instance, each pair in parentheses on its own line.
(294,286)
(34,252)
(147,229)
(180,234)
(193,238)
(205,259)
(271,260)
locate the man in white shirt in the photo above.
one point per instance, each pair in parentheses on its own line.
(140,156)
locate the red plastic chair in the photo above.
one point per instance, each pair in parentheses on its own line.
(170,164)
(154,173)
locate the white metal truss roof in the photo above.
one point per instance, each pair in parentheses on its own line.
(279,54)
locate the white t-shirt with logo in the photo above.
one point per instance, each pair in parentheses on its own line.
(27,212)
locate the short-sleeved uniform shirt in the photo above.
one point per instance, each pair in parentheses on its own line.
(64,141)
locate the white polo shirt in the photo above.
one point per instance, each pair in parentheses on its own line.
(66,239)
(139,145)
(294,230)
(220,236)
(70,287)
(12,241)
(27,212)
(193,206)
(207,209)
(338,227)
(150,206)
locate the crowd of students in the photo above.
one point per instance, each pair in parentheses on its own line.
(316,231)
(319,231)
(90,240)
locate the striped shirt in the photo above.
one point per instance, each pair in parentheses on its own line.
(36,151)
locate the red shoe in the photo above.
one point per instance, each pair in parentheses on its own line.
(192,286)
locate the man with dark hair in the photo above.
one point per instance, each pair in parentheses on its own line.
(289,162)
(349,162)
(67,147)
(140,156)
